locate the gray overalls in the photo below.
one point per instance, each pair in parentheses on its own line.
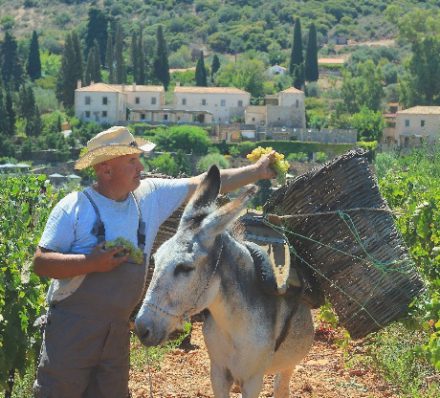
(85,351)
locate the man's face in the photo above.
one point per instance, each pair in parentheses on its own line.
(125,172)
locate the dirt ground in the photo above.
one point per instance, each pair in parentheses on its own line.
(184,373)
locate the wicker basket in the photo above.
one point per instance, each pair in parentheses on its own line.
(357,255)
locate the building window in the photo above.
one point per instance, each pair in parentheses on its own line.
(104,113)
(142,116)
(253,119)
(183,101)
(88,100)
(203,101)
(153,100)
(240,103)
(87,114)
(137,100)
(165,117)
(223,102)
(297,103)
(422,123)
(407,123)
(104,100)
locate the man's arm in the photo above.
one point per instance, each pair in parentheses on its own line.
(59,265)
(232,179)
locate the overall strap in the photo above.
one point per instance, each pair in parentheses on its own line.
(141,225)
(98,228)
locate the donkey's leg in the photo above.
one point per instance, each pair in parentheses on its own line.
(251,388)
(221,381)
(281,383)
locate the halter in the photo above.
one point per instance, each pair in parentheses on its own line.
(187,314)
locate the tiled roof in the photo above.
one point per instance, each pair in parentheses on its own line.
(421,110)
(119,88)
(292,90)
(209,90)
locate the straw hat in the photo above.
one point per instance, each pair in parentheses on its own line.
(112,143)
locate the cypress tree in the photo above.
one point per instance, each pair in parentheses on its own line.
(215,66)
(10,114)
(96,30)
(134,57)
(30,112)
(34,62)
(120,72)
(3,115)
(109,59)
(11,67)
(96,75)
(161,66)
(311,65)
(298,76)
(90,66)
(201,79)
(70,71)
(296,57)
(141,60)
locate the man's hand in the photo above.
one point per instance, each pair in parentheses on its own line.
(105,260)
(264,166)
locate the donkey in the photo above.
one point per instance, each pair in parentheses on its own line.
(248,332)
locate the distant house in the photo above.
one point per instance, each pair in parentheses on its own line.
(286,109)
(223,103)
(417,125)
(112,103)
(276,70)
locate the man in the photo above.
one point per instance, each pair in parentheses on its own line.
(85,350)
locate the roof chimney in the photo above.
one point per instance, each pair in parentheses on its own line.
(78,84)
(134,86)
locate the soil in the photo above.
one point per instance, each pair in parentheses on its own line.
(184,373)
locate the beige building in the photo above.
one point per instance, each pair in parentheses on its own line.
(113,103)
(223,103)
(286,109)
(417,125)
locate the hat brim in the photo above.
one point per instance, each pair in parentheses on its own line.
(109,152)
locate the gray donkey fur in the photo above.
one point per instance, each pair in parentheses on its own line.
(204,267)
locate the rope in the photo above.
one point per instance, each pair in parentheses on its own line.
(381,266)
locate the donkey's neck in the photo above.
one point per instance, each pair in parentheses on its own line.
(238,285)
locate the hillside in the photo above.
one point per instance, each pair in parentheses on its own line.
(223,26)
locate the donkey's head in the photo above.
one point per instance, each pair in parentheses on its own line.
(185,278)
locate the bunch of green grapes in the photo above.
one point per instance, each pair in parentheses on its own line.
(134,252)
(280,165)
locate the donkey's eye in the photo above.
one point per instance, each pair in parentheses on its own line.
(183,269)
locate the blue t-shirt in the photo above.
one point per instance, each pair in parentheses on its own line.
(69,226)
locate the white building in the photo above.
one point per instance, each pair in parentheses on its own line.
(286,109)
(223,103)
(417,125)
(112,103)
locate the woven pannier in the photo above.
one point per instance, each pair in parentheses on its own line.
(341,228)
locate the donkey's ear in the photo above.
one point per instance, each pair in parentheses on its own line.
(204,197)
(220,219)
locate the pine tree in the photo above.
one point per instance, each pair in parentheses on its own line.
(296,57)
(141,60)
(109,59)
(96,30)
(311,65)
(120,72)
(215,66)
(201,78)
(11,67)
(161,66)
(34,62)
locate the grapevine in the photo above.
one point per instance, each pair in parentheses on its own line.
(280,165)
